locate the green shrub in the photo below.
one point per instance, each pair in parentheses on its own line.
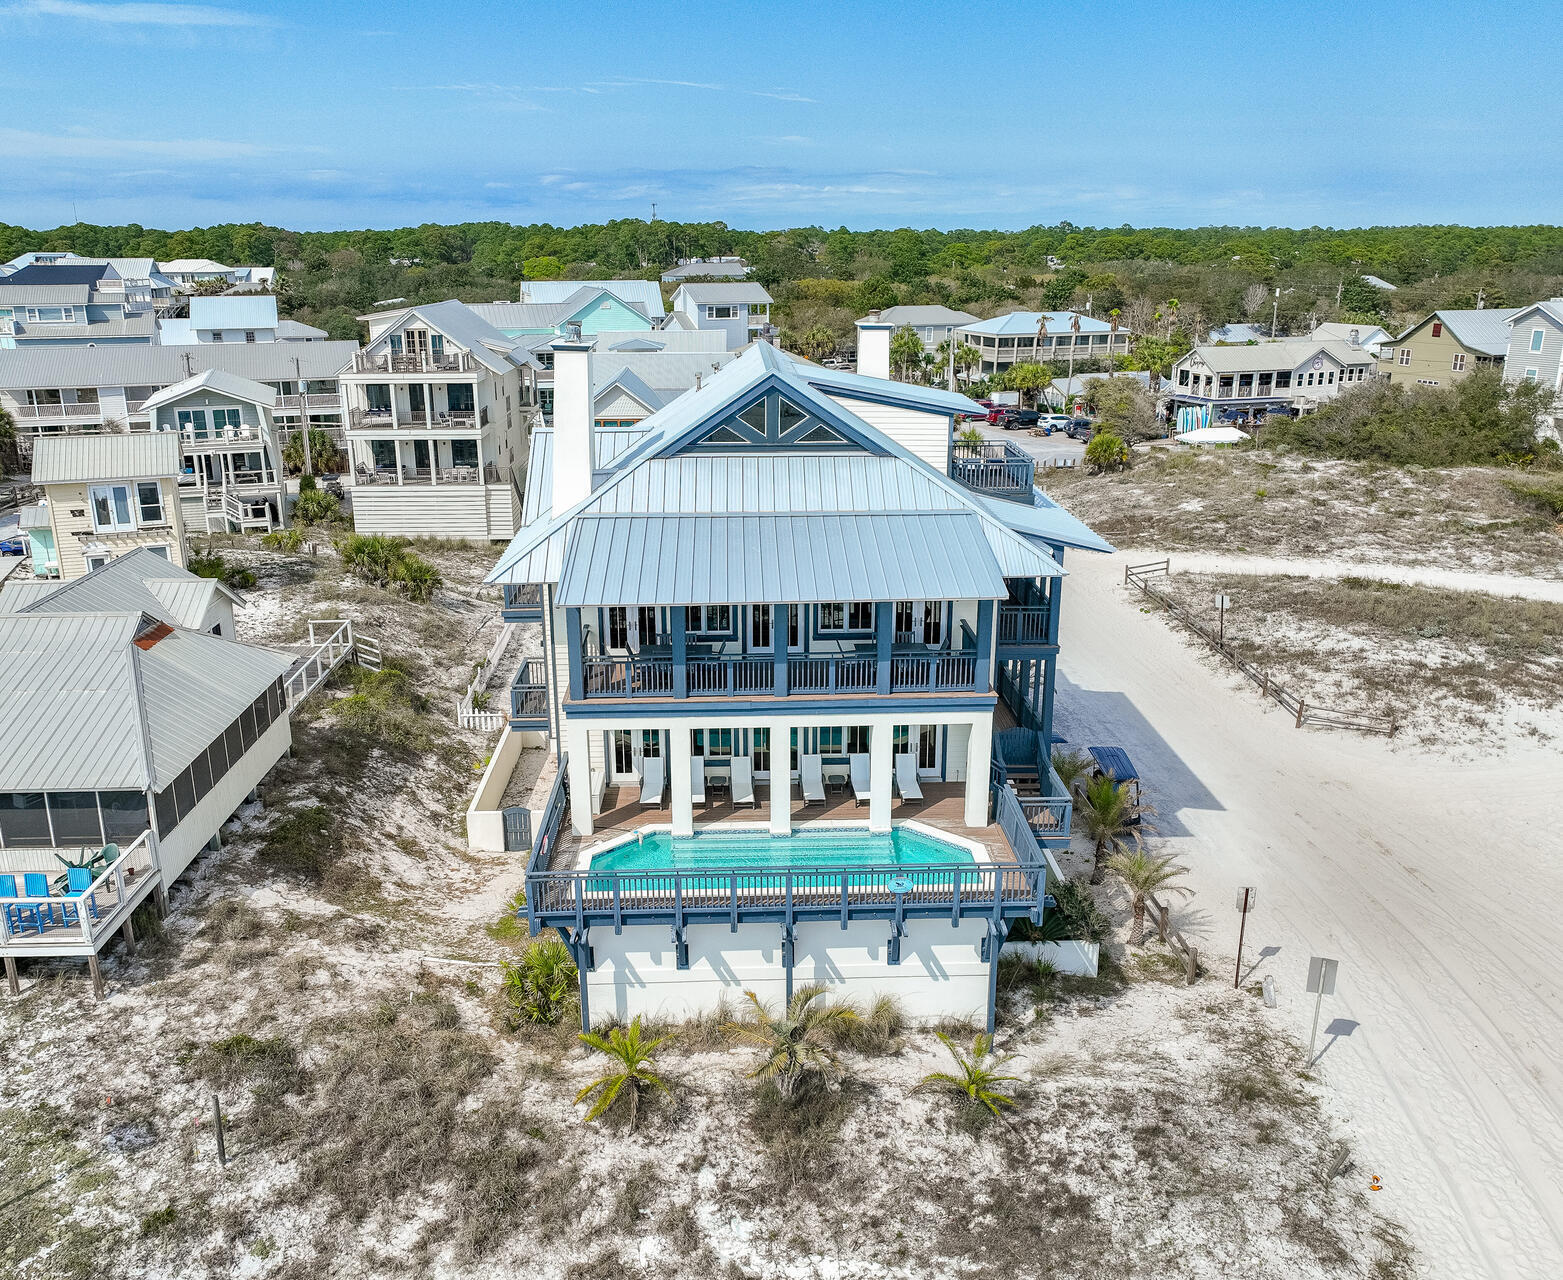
(540,987)
(1548,497)
(386,562)
(306,484)
(1106,452)
(306,842)
(285,540)
(316,506)
(384,710)
(415,578)
(211,565)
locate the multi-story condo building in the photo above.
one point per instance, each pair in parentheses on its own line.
(140,277)
(1295,374)
(1045,337)
(56,389)
(933,324)
(190,272)
(436,430)
(74,305)
(1447,346)
(740,312)
(789,579)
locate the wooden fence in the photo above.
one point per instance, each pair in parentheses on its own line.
(1303,712)
(1168,933)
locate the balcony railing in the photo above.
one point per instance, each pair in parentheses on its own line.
(416,362)
(418,420)
(420,475)
(523,602)
(47,411)
(1023,624)
(529,691)
(314,400)
(627,677)
(216,435)
(995,467)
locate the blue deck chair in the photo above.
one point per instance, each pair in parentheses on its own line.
(36,885)
(78,880)
(14,915)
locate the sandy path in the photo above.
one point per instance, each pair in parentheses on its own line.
(1436,886)
(1497,584)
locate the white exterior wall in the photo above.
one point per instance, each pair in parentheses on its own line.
(480,512)
(178,850)
(925,434)
(941,974)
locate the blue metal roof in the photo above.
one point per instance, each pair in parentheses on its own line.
(1021,322)
(1046,521)
(1114,762)
(679,560)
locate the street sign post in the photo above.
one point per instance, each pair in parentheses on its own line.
(1246,897)
(1221,604)
(1321,982)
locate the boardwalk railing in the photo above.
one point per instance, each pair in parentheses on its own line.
(529,691)
(993,467)
(1143,578)
(329,649)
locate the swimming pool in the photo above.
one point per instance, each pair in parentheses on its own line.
(728,850)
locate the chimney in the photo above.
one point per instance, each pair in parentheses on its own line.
(873,346)
(575,430)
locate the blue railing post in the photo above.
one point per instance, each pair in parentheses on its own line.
(884,635)
(677,618)
(984,644)
(780,620)
(572,640)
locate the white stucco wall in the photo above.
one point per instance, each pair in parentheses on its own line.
(941,973)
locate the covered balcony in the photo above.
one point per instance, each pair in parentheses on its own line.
(422,360)
(826,650)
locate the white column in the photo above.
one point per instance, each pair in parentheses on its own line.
(399,479)
(679,779)
(979,759)
(781,776)
(881,770)
(577,742)
(873,346)
(434,462)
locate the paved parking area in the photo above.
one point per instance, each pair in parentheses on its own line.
(1043,448)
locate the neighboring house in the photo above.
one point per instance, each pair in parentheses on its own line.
(777,581)
(1370,337)
(933,324)
(233,318)
(436,431)
(669,360)
(140,279)
(1296,374)
(1065,393)
(123,730)
(140,581)
(707,269)
(1381,284)
(190,272)
(108,495)
(1447,346)
(56,389)
(231,475)
(595,308)
(740,311)
(1047,337)
(1233,334)
(645,296)
(1536,354)
(73,304)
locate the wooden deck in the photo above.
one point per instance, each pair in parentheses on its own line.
(943,807)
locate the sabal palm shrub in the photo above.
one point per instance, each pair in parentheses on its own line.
(541,986)
(978,1078)
(1144,874)
(630,1073)
(797,1043)
(1069,766)
(1106,816)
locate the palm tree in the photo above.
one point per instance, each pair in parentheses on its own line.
(632,1069)
(816,343)
(798,1042)
(978,1077)
(1143,874)
(1106,817)
(1069,765)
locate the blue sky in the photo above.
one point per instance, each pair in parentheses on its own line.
(322,114)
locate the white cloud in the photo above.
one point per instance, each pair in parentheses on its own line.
(22,144)
(141,15)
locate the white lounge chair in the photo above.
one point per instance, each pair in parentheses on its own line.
(813,780)
(743,781)
(860,776)
(906,777)
(651,780)
(697,780)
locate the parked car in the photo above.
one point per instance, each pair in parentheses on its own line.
(1080,429)
(1051,422)
(13,546)
(1015,419)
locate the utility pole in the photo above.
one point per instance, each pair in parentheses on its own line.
(1275,311)
(303,415)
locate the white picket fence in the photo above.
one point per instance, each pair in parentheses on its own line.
(483,719)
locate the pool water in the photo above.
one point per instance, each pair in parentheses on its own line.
(727,850)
